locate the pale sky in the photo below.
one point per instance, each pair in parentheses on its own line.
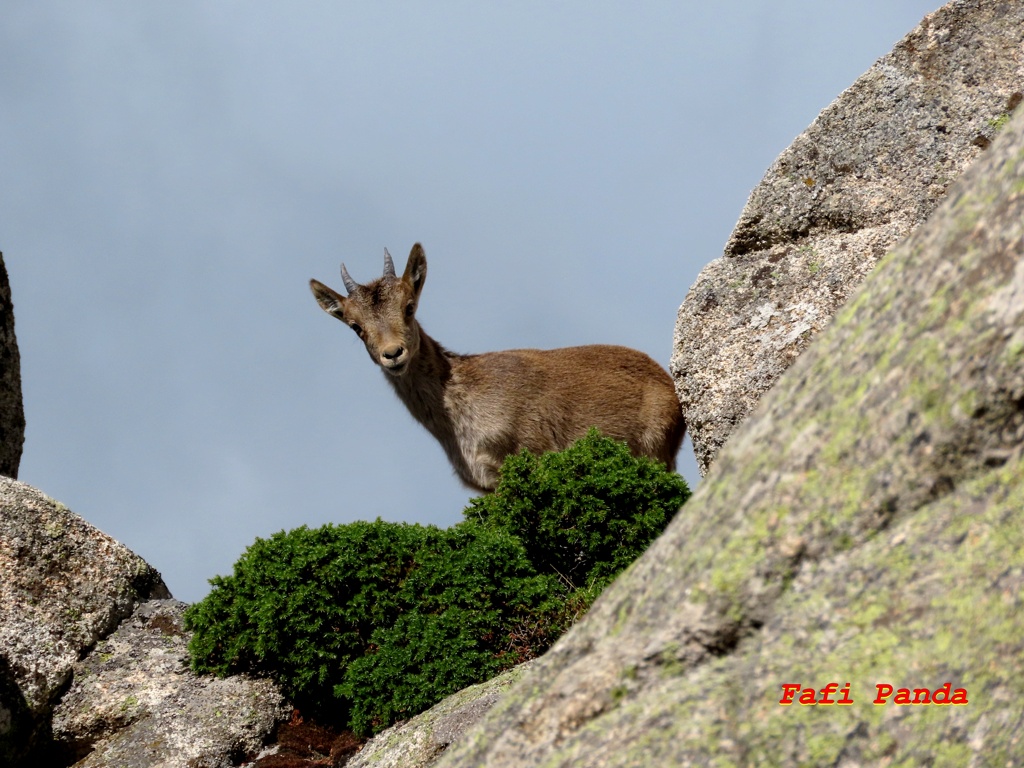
(173,175)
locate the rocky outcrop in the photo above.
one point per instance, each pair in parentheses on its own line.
(12,412)
(868,170)
(134,703)
(864,526)
(63,586)
(93,656)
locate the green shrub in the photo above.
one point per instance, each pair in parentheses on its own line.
(368,623)
(586,512)
(471,587)
(301,605)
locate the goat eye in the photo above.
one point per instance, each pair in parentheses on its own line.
(409,308)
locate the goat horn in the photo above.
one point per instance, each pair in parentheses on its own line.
(389,265)
(350,284)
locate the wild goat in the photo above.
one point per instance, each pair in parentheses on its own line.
(484,407)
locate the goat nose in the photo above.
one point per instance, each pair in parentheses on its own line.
(393,354)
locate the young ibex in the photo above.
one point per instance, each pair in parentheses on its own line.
(484,407)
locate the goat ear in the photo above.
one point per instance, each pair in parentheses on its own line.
(416,269)
(330,301)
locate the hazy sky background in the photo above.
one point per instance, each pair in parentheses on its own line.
(173,174)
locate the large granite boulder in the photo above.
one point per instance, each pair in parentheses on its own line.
(864,526)
(134,703)
(94,658)
(867,171)
(12,412)
(63,586)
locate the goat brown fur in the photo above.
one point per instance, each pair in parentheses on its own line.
(484,407)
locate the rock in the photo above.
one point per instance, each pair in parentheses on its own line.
(864,526)
(63,586)
(417,742)
(867,171)
(134,703)
(12,412)
(93,655)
